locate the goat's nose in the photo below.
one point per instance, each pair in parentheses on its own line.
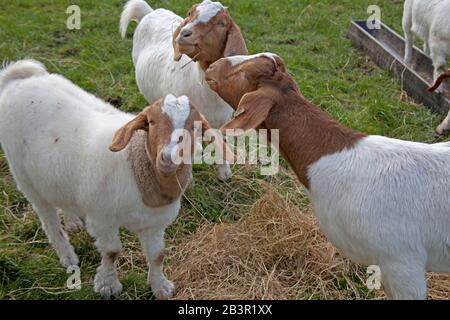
(186,33)
(166,157)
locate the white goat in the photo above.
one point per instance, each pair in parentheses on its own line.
(429,19)
(56,136)
(157,72)
(380,201)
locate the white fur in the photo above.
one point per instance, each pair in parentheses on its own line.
(386,202)
(178,110)
(157,74)
(56,137)
(429,19)
(237,60)
(208,10)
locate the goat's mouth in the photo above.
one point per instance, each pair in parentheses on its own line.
(167,169)
(183,43)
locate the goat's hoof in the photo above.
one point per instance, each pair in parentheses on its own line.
(441,131)
(68,260)
(164,291)
(107,286)
(224,173)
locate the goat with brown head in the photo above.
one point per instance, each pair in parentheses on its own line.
(265,96)
(207,34)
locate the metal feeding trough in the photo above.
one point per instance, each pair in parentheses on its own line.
(386,48)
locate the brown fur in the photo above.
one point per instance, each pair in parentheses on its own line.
(220,37)
(439,81)
(271,98)
(156,190)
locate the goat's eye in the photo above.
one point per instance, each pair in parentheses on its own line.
(222,24)
(151,122)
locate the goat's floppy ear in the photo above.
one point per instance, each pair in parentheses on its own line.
(251,113)
(176,49)
(123,136)
(235,42)
(219,142)
(439,81)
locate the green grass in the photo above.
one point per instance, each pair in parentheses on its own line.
(309,35)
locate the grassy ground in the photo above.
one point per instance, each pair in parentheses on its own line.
(310,35)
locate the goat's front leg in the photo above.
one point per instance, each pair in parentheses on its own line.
(224,172)
(108,243)
(152,242)
(444,127)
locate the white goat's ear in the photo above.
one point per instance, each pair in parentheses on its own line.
(253,110)
(235,42)
(176,49)
(123,136)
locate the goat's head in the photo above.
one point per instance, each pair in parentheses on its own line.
(170,123)
(251,85)
(207,34)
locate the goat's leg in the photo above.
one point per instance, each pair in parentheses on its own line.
(409,35)
(55,233)
(224,172)
(404,281)
(108,243)
(444,127)
(152,242)
(426,48)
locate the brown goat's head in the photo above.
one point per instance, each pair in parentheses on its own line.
(170,123)
(207,34)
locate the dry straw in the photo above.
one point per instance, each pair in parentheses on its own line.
(275,252)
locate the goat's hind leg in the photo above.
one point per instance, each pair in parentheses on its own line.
(55,233)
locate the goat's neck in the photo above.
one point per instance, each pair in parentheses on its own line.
(156,189)
(307,133)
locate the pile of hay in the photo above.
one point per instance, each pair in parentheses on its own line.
(276,252)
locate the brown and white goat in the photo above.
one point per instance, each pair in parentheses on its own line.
(380,201)
(160,40)
(56,138)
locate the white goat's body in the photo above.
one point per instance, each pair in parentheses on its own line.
(64,126)
(158,74)
(56,137)
(386,202)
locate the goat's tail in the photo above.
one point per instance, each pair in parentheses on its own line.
(22,69)
(134,10)
(439,81)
